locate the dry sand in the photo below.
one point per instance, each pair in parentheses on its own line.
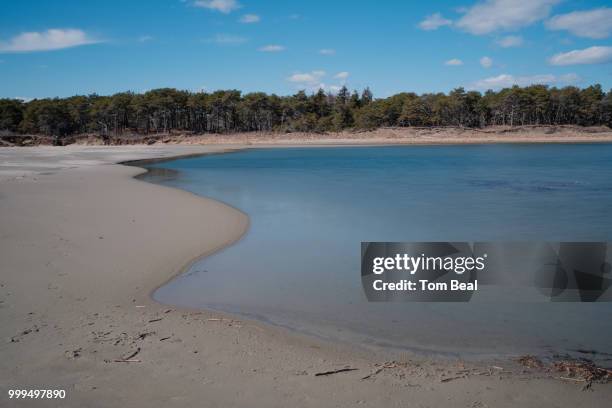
(388,135)
(82,245)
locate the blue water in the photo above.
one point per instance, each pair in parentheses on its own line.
(298,265)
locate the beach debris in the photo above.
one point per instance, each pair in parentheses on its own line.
(373,373)
(571,379)
(155,320)
(73,354)
(119,360)
(331,372)
(389,364)
(583,370)
(447,379)
(129,357)
(16,338)
(497,368)
(167,311)
(530,361)
(142,336)
(575,370)
(165,338)
(122,338)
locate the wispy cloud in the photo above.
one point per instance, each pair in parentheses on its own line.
(507,81)
(223,6)
(453,62)
(145,38)
(434,21)
(327,51)
(53,39)
(250,19)
(226,39)
(591,24)
(510,41)
(591,55)
(497,15)
(486,62)
(342,75)
(272,48)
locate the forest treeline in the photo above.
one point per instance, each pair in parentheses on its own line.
(170,110)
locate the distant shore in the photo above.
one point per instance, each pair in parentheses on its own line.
(83,244)
(385,135)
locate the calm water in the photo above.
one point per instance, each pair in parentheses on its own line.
(298,265)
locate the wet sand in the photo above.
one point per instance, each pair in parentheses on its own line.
(83,244)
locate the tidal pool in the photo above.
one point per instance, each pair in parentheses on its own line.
(298,266)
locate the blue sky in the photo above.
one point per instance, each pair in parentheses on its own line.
(53,48)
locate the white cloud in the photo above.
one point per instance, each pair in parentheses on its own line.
(145,38)
(226,39)
(591,55)
(307,78)
(272,48)
(510,41)
(454,62)
(342,75)
(591,24)
(506,81)
(327,51)
(493,15)
(250,19)
(223,6)
(486,62)
(53,39)
(433,22)
(313,80)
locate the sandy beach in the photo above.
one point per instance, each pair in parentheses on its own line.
(82,246)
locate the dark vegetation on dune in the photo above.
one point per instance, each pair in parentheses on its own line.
(168,110)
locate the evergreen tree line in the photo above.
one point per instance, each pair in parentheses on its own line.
(167,110)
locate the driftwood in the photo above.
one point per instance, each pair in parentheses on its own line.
(379,369)
(132,355)
(341,370)
(373,373)
(155,320)
(119,360)
(447,379)
(142,336)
